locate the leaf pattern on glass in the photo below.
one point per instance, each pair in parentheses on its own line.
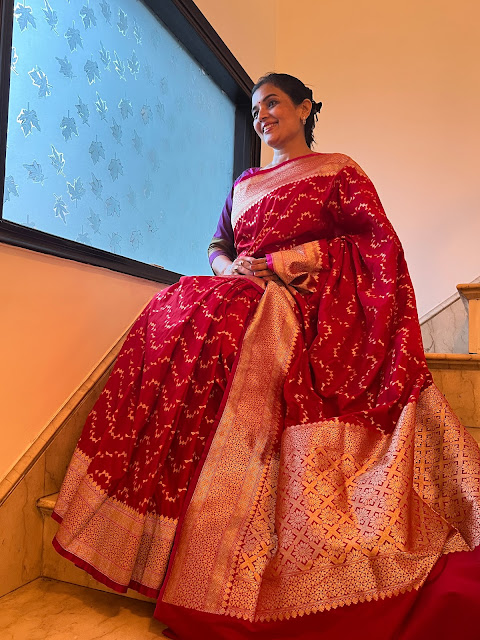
(160,109)
(134,64)
(88,16)
(147,188)
(101,107)
(27,119)
(83,111)
(137,32)
(50,16)
(122,23)
(152,156)
(137,142)
(76,190)
(60,208)
(35,172)
(57,160)
(96,186)
(125,107)
(116,131)
(119,66)
(95,221)
(14,60)
(96,151)
(132,198)
(10,189)
(92,71)
(74,38)
(152,226)
(115,240)
(106,11)
(105,57)
(112,206)
(65,67)
(24,16)
(136,239)
(146,113)
(84,238)
(40,80)
(147,71)
(115,167)
(68,127)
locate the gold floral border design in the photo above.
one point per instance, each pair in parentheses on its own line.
(341,514)
(139,545)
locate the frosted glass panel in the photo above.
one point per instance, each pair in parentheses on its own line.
(116,138)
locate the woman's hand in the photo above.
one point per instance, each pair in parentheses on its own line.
(250,266)
(244,266)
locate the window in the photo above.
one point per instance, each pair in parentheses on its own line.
(125,130)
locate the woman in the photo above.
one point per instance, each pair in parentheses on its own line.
(270,456)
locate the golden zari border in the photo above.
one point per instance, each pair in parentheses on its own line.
(238,462)
(138,546)
(341,515)
(251,190)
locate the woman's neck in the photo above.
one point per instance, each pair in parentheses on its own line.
(282,155)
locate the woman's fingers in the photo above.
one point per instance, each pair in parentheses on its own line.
(250,266)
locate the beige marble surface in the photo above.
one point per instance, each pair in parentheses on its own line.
(21,532)
(461,387)
(447,332)
(50,610)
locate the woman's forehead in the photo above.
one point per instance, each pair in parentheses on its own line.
(265,90)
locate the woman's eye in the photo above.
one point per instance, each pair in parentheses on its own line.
(272,103)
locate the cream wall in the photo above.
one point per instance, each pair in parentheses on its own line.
(401,90)
(59,318)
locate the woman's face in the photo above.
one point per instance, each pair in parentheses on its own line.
(276,119)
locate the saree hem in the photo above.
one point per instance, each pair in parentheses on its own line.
(100,577)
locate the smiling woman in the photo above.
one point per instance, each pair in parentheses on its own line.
(270,457)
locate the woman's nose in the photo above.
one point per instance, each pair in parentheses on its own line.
(262,113)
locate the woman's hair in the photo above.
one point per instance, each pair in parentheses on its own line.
(297,92)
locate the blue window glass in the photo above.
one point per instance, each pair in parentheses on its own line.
(116,137)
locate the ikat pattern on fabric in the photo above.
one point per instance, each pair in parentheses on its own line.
(291,435)
(102,96)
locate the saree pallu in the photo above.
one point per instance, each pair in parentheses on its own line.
(262,457)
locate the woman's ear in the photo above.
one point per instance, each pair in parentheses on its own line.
(306,108)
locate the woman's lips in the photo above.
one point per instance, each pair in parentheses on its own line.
(267,127)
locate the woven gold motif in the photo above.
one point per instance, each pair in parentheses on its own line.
(138,545)
(343,515)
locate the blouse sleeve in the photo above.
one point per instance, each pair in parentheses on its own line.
(223,242)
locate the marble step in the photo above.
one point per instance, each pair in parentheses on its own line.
(51,610)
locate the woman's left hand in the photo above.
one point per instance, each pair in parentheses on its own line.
(259,268)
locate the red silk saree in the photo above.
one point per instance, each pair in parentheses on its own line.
(263,456)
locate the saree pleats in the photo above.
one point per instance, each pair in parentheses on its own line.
(125,486)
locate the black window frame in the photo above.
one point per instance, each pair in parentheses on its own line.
(187,23)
